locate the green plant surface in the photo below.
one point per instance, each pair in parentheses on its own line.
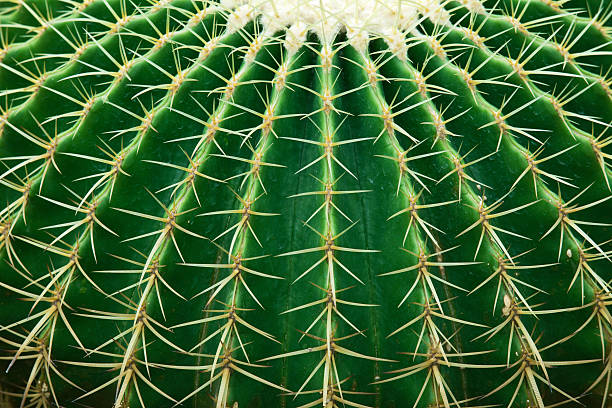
(202,208)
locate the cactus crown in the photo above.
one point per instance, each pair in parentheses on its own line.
(361,20)
(378,203)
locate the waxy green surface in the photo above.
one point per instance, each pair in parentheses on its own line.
(197,216)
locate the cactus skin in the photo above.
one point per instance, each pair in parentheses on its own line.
(196,215)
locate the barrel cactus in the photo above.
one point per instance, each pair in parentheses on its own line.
(301,203)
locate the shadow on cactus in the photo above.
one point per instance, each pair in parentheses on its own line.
(305,203)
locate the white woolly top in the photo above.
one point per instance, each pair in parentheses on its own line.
(361,18)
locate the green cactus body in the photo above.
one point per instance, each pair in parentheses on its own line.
(301,204)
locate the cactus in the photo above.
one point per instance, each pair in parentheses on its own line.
(335,203)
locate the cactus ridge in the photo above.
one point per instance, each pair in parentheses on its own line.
(305,203)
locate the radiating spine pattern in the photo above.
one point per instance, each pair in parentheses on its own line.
(300,203)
